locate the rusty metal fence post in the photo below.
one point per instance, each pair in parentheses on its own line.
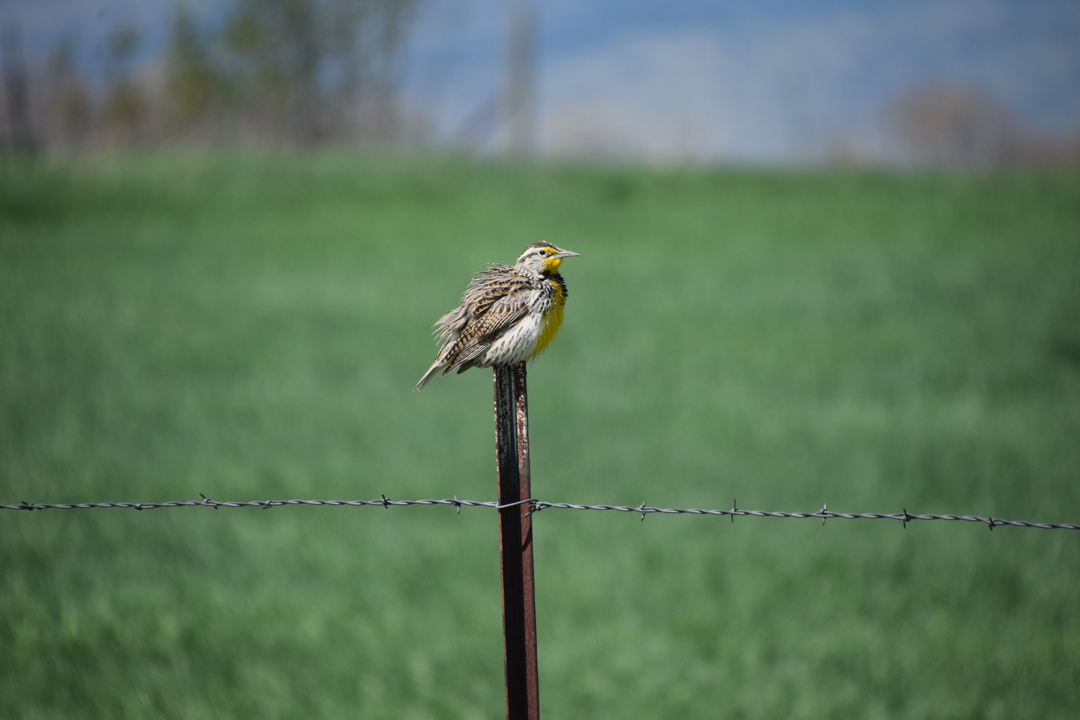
(515,543)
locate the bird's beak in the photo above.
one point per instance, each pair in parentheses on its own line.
(566,254)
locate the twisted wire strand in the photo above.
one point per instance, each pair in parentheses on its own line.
(537,505)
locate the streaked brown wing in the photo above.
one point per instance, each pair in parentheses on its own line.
(497,304)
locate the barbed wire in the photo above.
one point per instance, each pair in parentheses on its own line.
(536,506)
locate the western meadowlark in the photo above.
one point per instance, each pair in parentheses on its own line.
(508,314)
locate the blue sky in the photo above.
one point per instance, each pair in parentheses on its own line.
(765,80)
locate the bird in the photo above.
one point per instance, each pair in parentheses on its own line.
(508,314)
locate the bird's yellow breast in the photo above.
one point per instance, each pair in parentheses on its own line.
(551,320)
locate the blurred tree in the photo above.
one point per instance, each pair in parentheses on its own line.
(949,124)
(72,107)
(275,50)
(191,76)
(124,104)
(302,71)
(20,133)
(366,47)
(309,68)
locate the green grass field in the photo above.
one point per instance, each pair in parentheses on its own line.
(251,327)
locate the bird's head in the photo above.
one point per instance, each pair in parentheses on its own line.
(544,258)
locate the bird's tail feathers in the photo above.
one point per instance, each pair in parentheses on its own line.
(428,375)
